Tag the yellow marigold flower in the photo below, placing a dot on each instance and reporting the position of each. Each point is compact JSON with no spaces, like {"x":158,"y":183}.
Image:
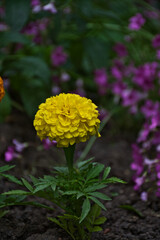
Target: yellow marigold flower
{"x":67,"y":118}
{"x":2,"y":92}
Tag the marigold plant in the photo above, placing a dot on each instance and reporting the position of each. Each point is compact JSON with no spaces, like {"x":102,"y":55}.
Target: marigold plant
{"x":67,"y":118}
{"x":2,"y":92}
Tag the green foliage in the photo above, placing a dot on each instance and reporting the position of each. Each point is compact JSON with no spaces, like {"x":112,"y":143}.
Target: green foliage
{"x":87,"y":32}
{"x":17,"y":13}
{"x":80,"y":187}
{"x":5,"y":107}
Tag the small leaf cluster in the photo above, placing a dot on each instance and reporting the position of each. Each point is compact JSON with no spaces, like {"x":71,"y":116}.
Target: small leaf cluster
{"x":77,"y":193}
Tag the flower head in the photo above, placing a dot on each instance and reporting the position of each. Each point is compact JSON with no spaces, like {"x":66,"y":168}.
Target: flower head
{"x":120,"y":49}
{"x":67,"y":119}
{"x":156,"y":41}
{"x":136,"y":22}
{"x":2,"y":92}
{"x":58,"y":56}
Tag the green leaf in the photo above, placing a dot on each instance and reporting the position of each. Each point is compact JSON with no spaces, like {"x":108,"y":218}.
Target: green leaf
{"x":83,"y":163}
{"x":12,"y":178}
{"x":3,"y":213}
{"x":53,"y":186}
{"x":114,"y":180}
{"x":97,"y":229}
{"x":95,"y":171}
{"x":34,"y":180}
{"x":16,"y":192}
{"x":5,"y":107}
{"x":27,"y":185}
{"x":94,"y":187}
{"x":132,"y":209}
{"x":106,"y":172}
{"x":100,"y":195}
{"x":8,"y":37}
{"x":97,"y":202}
{"x":41,"y":187}
{"x":6,"y":168}
{"x":36,"y":204}
{"x":17,"y":13}
{"x":80,"y":194}
{"x":56,"y":221}
{"x":61,"y":169}
{"x":70,"y":192}
{"x":85,"y":209}
{"x":100,"y":220}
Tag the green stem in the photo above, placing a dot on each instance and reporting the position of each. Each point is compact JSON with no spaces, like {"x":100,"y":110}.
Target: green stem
{"x":69,"y":153}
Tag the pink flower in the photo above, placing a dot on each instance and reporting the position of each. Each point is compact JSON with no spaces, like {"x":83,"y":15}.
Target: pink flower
{"x":145,"y":75}
{"x":65,"y":77}
{"x":118,"y":70}
{"x":150,"y":108}
{"x":19,"y":147}
{"x":158,"y":54}
{"x":47,"y":143}
{"x":100,"y":77}
{"x":120,"y":49}
{"x":130,"y":97}
{"x":137,"y":163}
{"x":143,"y":134}
{"x":138,"y":183}
{"x":118,"y":87}
{"x":56,"y":90}
{"x":10,"y":154}
{"x":144,"y":196}
{"x":136,"y":22}
{"x":50,"y":8}
{"x":156,"y":41}
{"x":58,"y":56}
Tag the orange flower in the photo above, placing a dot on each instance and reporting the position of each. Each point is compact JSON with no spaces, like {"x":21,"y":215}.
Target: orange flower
{"x":2,"y":92}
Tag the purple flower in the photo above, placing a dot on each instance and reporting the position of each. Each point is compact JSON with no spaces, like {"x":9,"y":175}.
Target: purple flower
{"x":144,"y":196}
{"x":117,"y":70}
{"x":136,"y":22}
{"x":156,"y":41}
{"x":35,"y":3}
{"x":155,"y":121}
{"x":100,"y":77}
{"x":143,"y":134}
{"x":47,"y":143}
{"x":137,"y":164}
{"x":10,"y":154}
{"x":152,"y":14}
{"x":156,"y":138}
{"x":130,"y":97}
{"x":36,"y":6}
{"x":138,"y":183}
{"x":118,"y":87}
{"x":158,"y":54}
{"x":150,"y":108}
{"x":56,"y":90}
{"x":145,"y":75}
{"x":58,"y":56}
{"x":50,"y":8}
{"x":120,"y":49}
{"x":65,"y":77}
{"x":19,"y":147}
{"x":3,"y":27}
{"x":103,"y":114}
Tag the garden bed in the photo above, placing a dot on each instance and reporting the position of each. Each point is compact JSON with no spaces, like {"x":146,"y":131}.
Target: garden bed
{"x":30,"y":223}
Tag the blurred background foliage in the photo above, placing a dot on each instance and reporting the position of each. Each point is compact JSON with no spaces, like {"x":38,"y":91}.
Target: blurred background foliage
{"x":87,"y":32}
